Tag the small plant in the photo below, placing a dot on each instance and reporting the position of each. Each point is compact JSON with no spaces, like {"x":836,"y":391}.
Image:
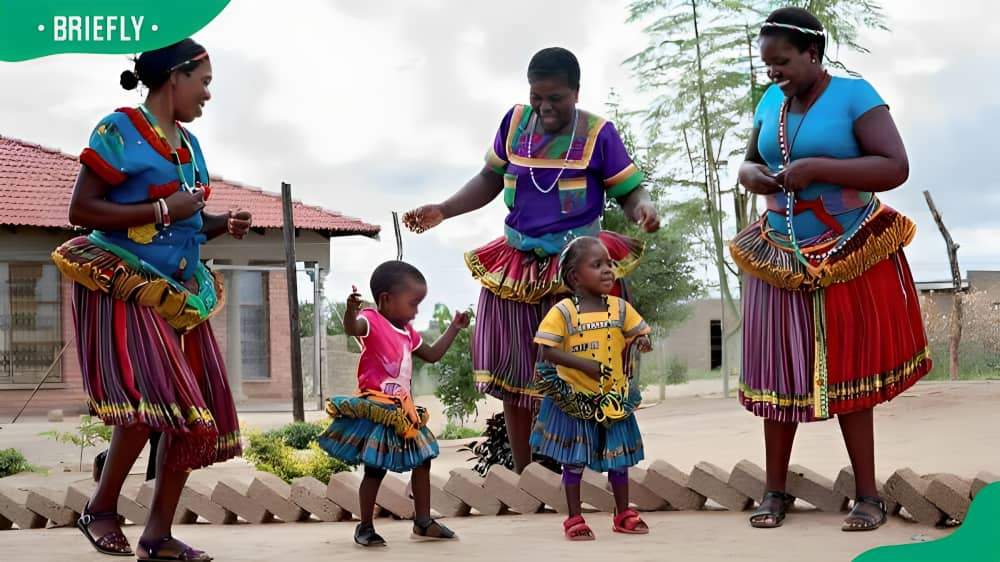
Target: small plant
{"x":270,"y":453}
{"x":455,"y":431}
{"x":677,"y":371}
{"x":298,"y":435}
{"x":456,"y":385}
{"x":495,"y":449}
{"x":89,"y":433}
{"x":13,"y":462}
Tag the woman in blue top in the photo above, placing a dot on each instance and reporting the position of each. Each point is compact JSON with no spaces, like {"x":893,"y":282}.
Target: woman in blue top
{"x":832,"y":323}
{"x":142,"y":297}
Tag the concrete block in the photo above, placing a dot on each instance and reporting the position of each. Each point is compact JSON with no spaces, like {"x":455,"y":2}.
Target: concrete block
{"x":128,"y":506}
{"x":504,"y":484}
{"x":51,"y":504}
{"x":197,"y":498}
{"x":951,"y":495}
{"x":55,"y":415}
{"x":310,"y":494}
{"x":641,"y":496}
{"x":814,"y":488}
{"x":182,"y":516}
{"x":749,"y":479}
{"x":78,"y":494}
{"x":233,"y":495}
{"x":713,"y":482}
{"x":545,"y":486}
{"x":910,"y":490}
{"x":668,"y":482}
{"x":982,"y":480}
{"x":844,"y":485}
{"x":276,"y":496}
{"x":444,"y":503}
{"x":467,"y":485}
{"x":343,"y":491}
{"x":596,"y":491}
{"x":394,"y":497}
{"x":12,"y":507}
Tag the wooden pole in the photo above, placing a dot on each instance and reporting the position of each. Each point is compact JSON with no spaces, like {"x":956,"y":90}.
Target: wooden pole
{"x":295,"y":349}
{"x":956,"y":280}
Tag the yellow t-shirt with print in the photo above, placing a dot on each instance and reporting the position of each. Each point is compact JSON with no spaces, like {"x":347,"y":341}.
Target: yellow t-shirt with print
{"x":587,"y":335}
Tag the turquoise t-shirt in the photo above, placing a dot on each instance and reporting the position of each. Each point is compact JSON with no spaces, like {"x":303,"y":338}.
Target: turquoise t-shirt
{"x":827,"y":130}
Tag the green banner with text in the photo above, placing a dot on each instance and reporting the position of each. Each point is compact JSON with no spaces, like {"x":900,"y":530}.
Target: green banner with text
{"x":39,"y":28}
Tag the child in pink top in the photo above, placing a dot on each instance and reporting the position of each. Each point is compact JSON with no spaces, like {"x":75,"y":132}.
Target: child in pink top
{"x":380,"y":427}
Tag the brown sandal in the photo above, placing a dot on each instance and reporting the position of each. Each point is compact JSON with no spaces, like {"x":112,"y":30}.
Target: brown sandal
{"x":432,"y":531}
{"x":858,"y":520}
{"x":113,"y":544}
{"x":182,"y":553}
{"x":768,"y":518}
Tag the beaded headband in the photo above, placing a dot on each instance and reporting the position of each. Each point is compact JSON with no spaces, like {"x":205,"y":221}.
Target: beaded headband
{"x":805,"y":30}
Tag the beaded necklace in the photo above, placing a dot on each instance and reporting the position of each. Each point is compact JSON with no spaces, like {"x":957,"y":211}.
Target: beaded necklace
{"x":185,"y":143}
{"x":569,"y":149}
{"x":609,"y":403}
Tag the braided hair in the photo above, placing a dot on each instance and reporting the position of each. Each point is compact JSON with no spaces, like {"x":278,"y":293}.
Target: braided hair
{"x":571,"y":255}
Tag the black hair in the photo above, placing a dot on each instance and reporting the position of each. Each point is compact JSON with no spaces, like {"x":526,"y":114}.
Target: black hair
{"x":153,"y":68}
{"x":571,"y":255}
{"x":555,"y":62}
{"x":798,"y":17}
{"x":390,"y":276}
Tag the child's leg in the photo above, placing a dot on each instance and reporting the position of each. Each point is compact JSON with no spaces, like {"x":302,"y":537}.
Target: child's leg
{"x":619,"y":486}
{"x":368,"y":492}
{"x":571,"y":477}
{"x":421,"y":483}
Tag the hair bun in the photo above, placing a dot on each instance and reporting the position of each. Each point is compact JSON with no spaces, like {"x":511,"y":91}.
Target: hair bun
{"x":129,"y":80}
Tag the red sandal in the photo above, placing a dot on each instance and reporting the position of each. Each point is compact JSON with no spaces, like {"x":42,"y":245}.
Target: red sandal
{"x":576,"y":529}
{"x":630,"y":523}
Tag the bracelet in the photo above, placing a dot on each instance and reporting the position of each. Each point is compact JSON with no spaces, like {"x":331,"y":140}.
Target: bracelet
{"x":166,"y":212}
{"x":157,"y":213}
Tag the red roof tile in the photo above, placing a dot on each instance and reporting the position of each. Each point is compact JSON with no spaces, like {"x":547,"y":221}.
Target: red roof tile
{"x":36,"y":184}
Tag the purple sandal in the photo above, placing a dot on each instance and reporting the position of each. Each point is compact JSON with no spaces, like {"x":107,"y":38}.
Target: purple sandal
{"x":113,"y":544}
{"x":186,"y":552}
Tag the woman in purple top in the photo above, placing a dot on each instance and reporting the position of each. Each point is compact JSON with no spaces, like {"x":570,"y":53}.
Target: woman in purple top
{"x":556,"y":165}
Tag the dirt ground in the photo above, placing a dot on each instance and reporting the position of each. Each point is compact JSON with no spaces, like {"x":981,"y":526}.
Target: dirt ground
{"x":934,"y":427}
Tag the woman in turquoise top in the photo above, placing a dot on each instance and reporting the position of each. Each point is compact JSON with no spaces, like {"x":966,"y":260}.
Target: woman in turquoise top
{"x":832,"y":323}
{"x":142,"y":297}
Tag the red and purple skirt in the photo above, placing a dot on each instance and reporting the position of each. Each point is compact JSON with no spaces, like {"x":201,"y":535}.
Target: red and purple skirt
{"x":834,"y":337}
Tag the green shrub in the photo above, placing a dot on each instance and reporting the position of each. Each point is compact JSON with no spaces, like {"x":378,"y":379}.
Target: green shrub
{"x":677,"y":371}
{"x":89,"y":433}
{"x":298,"y":435}
{"x":13,"y":462}
{"x":269,"y":452}
{"x":455,"y":431}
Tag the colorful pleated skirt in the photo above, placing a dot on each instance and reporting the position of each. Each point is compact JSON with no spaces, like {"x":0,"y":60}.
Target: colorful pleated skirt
{"x":371,"y":433}
{"x":139,"y":369}
{"x":836,"y":337}
{"x":519,"y":288}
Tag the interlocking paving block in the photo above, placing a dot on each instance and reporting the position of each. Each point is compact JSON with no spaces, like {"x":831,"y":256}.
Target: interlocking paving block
{"x":467,"y":485}
{"x":712,"y":482}
{"x":343,"y":491}
{"x":504,"y":484}
{"x":749,"y":479}
{"x":640,"y":495}
{"x":444,"y":503}
{"x":276,"y":496}
{"x":233,"y":495}
{"x":12,"y":507}
{"x":910,"y":490}
{"x":814,"y":488}
{"x":197,"y":498}
{"x":393,"y":496}
{"x":51,"y":504}
{"x":545,"y":486}
{"x":310,"y":494}
{"x":951,"y":494}
{"x":982,"y":480}
{"x":668,"y":482}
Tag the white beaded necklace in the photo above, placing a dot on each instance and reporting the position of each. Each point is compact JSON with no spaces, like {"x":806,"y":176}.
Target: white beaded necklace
{"x":569,"y":149}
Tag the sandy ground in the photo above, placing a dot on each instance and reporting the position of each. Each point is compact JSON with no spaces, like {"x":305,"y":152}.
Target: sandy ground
{"x":934,"y":427}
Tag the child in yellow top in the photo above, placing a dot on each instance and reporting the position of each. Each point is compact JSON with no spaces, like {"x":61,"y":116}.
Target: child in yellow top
{"x":586,"y":418}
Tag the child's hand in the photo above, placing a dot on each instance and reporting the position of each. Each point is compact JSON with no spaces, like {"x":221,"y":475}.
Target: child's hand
{"x":643,"y":344}
{"x":461,"y":320}
{"x":593,"y":370}
{"x":354,"y":300}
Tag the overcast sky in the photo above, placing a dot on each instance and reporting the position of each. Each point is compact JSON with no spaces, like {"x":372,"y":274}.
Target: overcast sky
{"x":369,"y":107}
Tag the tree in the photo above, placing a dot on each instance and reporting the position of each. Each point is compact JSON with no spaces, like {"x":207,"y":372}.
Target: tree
{"x":702,"y":65}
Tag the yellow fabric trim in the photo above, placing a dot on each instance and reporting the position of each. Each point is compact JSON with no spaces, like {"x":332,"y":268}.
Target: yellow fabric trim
{"x":581,"y":164}
{"x":486,"y":377}
{"x":621,"y":176}
{"x":369,"y":410}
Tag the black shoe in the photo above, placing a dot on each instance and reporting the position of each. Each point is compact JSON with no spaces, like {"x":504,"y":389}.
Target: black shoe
{"x":365,"y":535}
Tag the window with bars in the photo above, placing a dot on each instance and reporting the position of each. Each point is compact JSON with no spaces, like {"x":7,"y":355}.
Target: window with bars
{"x":255,"y":345}
{"x":30,"y":322}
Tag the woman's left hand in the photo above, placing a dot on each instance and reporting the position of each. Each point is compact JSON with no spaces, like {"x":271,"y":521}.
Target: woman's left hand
{"x":798,"y":175}
{"x":646,"y":217}
{"x":238,"y":224}
{"x":643,"y":344}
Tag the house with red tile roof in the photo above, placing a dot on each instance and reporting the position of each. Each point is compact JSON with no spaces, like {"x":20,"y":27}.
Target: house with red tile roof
{"x":36,"y":184}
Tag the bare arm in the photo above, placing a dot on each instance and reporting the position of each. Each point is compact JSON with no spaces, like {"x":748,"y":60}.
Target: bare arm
{"x":640,"y":209}
{"x":434,"y":352}
{"x":555,"y":356}
{"x":476,"y":193}
{"x":89,"y":207}
{"x":353,"y":325}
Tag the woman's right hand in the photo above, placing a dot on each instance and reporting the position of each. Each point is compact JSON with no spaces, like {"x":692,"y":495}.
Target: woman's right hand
{"x":424,"y":218}
{"x":184,"y":204}
{"x":759,"y":179}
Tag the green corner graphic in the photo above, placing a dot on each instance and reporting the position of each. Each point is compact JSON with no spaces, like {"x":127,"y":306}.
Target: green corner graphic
{"x":977,"y":540}
{"x":39,"y":28}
